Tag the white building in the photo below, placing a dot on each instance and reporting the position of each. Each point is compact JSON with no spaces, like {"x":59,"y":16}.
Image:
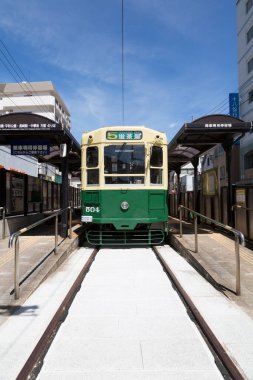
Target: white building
{"x":36,"y":97}
{"x":245,"y":76}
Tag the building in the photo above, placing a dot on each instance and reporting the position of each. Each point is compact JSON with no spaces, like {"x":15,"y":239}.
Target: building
{"x":36,"y":97}
{"x":245,"y":79}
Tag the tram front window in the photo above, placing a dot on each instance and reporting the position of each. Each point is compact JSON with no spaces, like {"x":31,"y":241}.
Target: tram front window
{"x":124,"y":159}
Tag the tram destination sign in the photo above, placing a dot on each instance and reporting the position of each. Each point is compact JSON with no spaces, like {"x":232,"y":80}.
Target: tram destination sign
{"x":123,"y":135}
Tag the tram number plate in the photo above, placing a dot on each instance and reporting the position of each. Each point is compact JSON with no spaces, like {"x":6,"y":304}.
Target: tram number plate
{"x":87,"y":218}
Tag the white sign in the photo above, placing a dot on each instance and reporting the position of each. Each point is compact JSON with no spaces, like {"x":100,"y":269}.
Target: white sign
{"x":87,"y":218}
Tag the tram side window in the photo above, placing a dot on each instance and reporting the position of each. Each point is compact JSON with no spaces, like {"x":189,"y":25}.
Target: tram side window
{"x":92,"y":162}
{"x":156,"y":158}
{"x":156,"y":161}
{"x":92,"y":157}
{"x":156,"y":176}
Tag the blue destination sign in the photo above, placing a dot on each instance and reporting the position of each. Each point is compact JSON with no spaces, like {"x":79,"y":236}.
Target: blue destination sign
{"x":124,"y":135}
{"x":30,"y":148}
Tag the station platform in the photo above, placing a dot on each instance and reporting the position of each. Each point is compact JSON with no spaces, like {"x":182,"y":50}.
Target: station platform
{"x":36,"y":261}
{"x":216,"y":260}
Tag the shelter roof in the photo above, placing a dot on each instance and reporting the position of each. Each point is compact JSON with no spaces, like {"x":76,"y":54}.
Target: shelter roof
{"x":24,"y":127}
{"x":195,"y":138}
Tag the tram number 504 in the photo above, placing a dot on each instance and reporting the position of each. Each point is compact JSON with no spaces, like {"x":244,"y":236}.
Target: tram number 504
{"x":92,"y":209}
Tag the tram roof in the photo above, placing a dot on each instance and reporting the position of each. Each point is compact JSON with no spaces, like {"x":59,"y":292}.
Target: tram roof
{"x":26,"y":128}
{"x":195,"y":138}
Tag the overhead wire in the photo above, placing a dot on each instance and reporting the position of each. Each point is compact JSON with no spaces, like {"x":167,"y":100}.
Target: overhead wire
{"x":225,"y":103}
{"x":15,"y":72}
{"x":122,"y":63}
{"x":2,"y":93}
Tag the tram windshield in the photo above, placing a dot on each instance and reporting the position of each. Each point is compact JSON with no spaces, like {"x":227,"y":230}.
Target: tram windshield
{"x":124,"y":159}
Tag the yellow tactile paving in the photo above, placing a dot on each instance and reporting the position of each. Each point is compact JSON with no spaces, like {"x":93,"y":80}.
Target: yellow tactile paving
{"x":24,"y":244}
{"x":225,"y":242}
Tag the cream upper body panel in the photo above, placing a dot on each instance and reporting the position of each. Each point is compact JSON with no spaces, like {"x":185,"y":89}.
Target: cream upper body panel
{"x":120,"y":135}
{"x":99,"y":136}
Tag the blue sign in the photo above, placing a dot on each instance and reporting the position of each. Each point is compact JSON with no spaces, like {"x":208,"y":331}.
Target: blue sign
{"x":234,"y":105}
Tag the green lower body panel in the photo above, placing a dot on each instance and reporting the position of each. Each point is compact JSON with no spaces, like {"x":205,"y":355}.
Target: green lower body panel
{"x":124,"y":209}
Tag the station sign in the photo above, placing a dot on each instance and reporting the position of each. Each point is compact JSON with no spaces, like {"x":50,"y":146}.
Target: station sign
{"x":29,"y":127}
{"x":30,"y":148}
{"x":234,"y":105}
{"x":123,"y":135}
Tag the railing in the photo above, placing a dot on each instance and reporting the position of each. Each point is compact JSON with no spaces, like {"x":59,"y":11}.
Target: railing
{"x":14,"y":238}
{"x":238,"y":237}
{"x":3,"y":209}
{"x":235,"y":207}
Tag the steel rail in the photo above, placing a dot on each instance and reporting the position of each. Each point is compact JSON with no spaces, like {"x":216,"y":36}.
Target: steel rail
{"x":207,"y":331}
{"x":44,"y":343}
{"x":3,"y":209}
{"x":238,"y":236}
{"x":14,"y":240}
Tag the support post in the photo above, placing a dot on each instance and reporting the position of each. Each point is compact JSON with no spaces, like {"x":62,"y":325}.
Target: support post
{"x":178,"y":189}
{"x":228,"y":149}
{"x":195,"y":163}
{"x":16,"y":270}
{"x":65,"y":195}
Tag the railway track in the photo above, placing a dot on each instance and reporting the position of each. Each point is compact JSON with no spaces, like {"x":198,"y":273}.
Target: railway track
{"x":148,"y":314}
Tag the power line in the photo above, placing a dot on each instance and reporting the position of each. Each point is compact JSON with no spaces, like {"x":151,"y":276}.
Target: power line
{"x":122,"y":62}
{"x":17,"y":70}
{"x":2,"y":93}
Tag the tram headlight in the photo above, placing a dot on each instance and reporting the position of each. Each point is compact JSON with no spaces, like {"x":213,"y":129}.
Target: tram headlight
{"x":124,"y":205}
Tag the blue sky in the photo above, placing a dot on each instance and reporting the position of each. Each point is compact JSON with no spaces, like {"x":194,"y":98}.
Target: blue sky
{"x":180,"y":57}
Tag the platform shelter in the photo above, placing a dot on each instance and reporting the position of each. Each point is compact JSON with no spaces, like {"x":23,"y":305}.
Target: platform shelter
{"x":48,"y":141}
{"x":197,"y":137}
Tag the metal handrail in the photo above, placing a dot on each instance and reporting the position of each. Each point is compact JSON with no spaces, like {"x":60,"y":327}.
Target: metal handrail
{"x":238,"y":237}
{"x":14,"y":239}
{"x":3,"y":209}
{"x":243,"y":207}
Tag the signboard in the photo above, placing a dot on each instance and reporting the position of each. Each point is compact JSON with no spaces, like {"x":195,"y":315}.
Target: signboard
{"x":218,"y":126}
{"x":240,"y":197}
{"x":209,"y":182}
{"x":29,"y":127}
{"x":234,"y":104}
{"x":123,"y":135}
{"x":30,"y":148}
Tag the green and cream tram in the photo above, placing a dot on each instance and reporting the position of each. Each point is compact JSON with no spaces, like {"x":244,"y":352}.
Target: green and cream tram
{"x":124,"y":185}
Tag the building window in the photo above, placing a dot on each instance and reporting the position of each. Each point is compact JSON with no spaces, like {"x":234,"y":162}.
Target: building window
{"x":251,"y":96}
{"x":222,"y":172}
{"x":250,"y":64}
{"x":248,"y":160}
{"x":250,"y":34}
{"x":249,"y":5}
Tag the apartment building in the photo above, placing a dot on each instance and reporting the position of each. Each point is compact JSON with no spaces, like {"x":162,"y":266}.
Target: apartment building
{"x":245,"y":77}
{"x":37,"y":97}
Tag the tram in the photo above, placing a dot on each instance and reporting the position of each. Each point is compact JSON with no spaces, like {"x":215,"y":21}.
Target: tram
{"x":124,"y":185}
